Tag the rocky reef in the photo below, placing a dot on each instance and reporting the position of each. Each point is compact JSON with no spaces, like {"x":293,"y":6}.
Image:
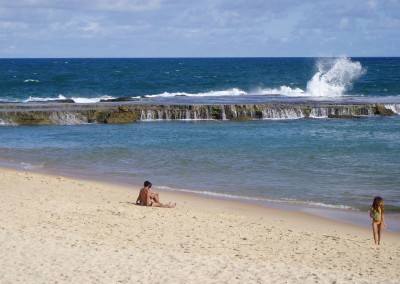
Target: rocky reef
{"x":128,"y":112}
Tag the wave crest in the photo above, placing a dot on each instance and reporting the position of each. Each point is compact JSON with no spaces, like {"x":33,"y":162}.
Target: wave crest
{"x":221,"y":93}
{"x":38,"y":99}
{"x":334,"y":77}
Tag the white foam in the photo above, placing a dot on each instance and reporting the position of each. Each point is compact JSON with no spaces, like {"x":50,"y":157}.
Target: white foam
{"x":67,"y":118}
{"x":282,"y":114}
{"x":78,"y":100}
{"x":320,"y":204}
{"x":282,"y":90}
{"x":91,"y":100}
{"x":38,"y":99}
{"x":221,"y":93}
{"x":334,"y":77}
{"x":393,"y":107}
{"x":31,"y":81}
{"x":6,"y":122}
{"x":29,"y":166}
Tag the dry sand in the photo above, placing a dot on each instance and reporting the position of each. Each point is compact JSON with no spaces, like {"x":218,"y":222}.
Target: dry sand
{"x":57,"y":229}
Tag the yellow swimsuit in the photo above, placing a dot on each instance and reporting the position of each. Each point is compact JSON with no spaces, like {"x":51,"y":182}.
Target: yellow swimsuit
{"x":377,"y":215}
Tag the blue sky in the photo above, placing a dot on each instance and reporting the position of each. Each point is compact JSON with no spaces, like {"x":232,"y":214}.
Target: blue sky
{"x":208,"y":28}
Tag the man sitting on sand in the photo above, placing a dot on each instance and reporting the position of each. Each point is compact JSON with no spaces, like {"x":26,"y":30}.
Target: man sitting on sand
{"x":148,"y":198}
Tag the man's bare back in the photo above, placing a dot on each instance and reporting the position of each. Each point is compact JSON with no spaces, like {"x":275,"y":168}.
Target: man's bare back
{"x":148,"y":198}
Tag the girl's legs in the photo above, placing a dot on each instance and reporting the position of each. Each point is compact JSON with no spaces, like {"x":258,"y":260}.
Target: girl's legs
{"x":375,"y":232}
{"x":379,"y":233}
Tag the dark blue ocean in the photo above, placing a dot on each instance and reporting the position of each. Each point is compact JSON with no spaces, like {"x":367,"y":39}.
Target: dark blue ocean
{"x":204,"y":79}
{"x":318,"y":163}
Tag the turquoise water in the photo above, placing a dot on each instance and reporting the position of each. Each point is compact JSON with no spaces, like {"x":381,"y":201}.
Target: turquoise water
{"x":323,"y":162}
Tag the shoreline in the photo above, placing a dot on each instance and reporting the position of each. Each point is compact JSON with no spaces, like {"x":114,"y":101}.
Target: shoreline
{"x":62,"y":229}
{"x":346,"y":217}
{"x":341,"y":215}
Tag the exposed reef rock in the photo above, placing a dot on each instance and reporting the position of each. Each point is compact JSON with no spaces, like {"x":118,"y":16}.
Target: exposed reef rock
{"x":381,"y":110}
{"x":31,"y":118}
{"x":69,"y":114}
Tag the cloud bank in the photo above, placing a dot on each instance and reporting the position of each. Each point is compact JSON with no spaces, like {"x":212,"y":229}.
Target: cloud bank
{"x":177,"y":28}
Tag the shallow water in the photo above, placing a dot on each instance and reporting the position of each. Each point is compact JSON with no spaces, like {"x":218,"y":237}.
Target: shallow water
{"x":325,"y":162}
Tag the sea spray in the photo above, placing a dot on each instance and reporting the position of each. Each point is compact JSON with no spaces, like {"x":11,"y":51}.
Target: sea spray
{"x":334,"y":77}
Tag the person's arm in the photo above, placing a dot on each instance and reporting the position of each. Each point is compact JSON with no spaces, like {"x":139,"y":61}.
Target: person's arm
{"x":148,"y":198}
{"x":371,"y":213}
{"x":383,"y":220}
{"x":138,"y":198}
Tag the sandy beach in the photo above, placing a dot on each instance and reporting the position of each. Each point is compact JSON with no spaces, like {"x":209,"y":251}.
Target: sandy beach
{"x":56,"y":229}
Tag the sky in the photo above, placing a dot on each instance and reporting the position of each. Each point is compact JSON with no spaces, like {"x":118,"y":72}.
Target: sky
{"x":199,"y":28}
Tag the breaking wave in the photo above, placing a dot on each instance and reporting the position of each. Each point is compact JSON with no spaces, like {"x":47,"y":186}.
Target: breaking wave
{"x":334,"y":77}
{"x":37,"y":99}
{"x":222,"y":93}
{"x":91,"y":100}
{"x":78,"y":100}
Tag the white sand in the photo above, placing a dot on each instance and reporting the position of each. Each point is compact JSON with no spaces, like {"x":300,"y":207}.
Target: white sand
{"x":56,"y":229}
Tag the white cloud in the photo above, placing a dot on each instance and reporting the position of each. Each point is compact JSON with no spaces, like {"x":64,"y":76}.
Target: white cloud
{"x":92,"y":28}
{"x":344,"y":23}
{"x":373,"y":4}
{"x":91,"y":5}
{"x":7,"y":25}
{"x":124,"y":5}
{"x":208,"y":27}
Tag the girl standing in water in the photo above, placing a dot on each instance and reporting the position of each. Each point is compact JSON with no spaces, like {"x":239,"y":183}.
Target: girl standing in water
{"x":378,"y":219}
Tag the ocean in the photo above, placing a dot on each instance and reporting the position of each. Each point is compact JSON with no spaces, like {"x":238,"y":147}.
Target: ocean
{"x":320,"y":163}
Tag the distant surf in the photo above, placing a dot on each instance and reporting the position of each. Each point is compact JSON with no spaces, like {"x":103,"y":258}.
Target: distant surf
{"x":333,"y":78}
